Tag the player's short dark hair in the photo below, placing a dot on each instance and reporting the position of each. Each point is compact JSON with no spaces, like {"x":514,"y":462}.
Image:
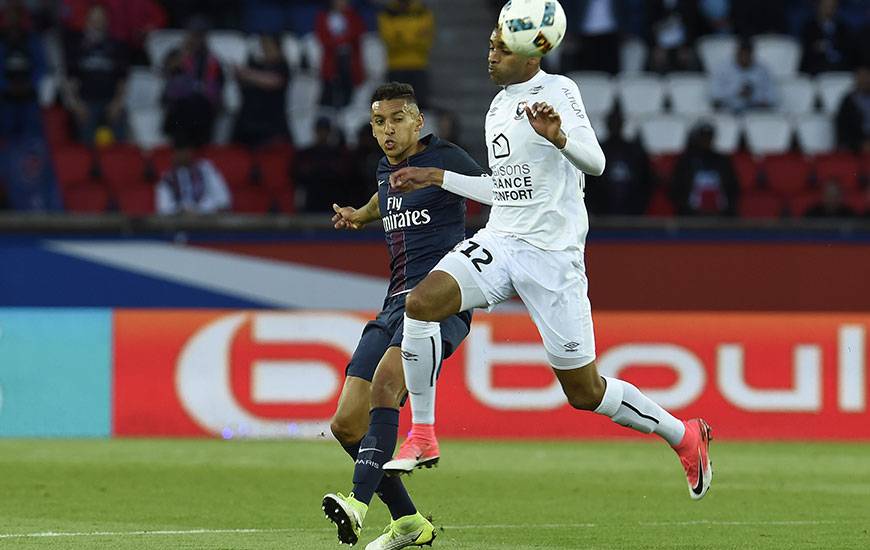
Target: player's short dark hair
{"x":395,"y":90}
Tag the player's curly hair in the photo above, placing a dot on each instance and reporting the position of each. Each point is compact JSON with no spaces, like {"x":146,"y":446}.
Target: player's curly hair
{"x":395,"y":90}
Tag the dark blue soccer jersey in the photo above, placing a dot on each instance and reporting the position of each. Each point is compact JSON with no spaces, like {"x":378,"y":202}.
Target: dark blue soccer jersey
{"x":422,"y":226}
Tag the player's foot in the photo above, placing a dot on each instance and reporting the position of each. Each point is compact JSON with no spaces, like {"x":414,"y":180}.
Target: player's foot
{"x":420,"y":450}
{"x":347,"y":513}
{"x":694,"y":453}
{"x":403,"y":532}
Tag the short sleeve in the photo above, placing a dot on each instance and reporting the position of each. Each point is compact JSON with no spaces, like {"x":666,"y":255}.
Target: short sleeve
{"x":457,"y":160}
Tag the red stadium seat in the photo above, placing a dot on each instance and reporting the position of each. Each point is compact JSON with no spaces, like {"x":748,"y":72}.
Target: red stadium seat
{"x":56,"y":123}
{"x":660,"y":204}
{"x":859,"y":201}
{"x":122,"y":166}
{"x":251,"y":200}
{"x":788,"y":174}
{"x":799,"y":204}
{"x":160,"y":159}
{"x":286,"y":201}
{"x":274,"y":169}
{"x":842,"y":167}
{"x":760,"y":204}
{"x":234,"y":163}
{"x":663,"y":166}
{"x":136,"y":200}
{"x":746,"y":168}
{"x":86,"y":197}
{"x":73,"y":164}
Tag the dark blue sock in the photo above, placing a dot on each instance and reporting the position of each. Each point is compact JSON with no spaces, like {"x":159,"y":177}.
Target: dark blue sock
{"x":375,"y":449}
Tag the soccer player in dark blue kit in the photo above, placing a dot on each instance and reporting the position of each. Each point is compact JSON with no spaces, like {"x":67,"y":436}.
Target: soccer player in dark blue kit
{"x":420,"y":228}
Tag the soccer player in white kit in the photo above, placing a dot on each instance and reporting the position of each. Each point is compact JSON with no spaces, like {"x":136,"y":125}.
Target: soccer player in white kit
{"x":540,"y":145}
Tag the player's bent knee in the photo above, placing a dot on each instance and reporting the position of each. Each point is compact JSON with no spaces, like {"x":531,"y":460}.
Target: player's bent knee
{"x":346,"y":431}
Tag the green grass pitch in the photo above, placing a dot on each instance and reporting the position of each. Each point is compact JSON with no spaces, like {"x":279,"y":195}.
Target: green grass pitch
{"x":222,"y":495}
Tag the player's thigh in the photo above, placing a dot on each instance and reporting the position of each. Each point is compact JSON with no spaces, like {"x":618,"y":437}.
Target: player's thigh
{"x":479,"y":272}
{"x":351,"y":419}
{"x":552,"y":285}
{"x":388,"y":384}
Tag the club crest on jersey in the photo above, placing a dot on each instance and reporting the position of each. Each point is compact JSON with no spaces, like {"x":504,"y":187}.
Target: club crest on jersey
{"x":521,"y":109}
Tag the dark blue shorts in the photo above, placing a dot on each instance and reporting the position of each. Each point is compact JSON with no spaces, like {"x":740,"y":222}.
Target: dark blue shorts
{"x":385,"y":331}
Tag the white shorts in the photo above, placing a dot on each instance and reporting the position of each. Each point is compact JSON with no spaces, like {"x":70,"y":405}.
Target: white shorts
{"x":491,"y":268}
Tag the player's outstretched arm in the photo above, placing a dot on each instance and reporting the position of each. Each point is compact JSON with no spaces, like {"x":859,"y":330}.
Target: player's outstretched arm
{"x":477,"y":188}
{"x":411,"y":178}
{"x":580,"y":147}
{"x":347,"y":217}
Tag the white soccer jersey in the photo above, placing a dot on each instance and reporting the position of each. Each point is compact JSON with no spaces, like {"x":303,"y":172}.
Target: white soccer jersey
{"x":537,"y":193}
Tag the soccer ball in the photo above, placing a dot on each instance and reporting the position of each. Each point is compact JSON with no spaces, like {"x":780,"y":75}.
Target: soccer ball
{"x":532,"y":27}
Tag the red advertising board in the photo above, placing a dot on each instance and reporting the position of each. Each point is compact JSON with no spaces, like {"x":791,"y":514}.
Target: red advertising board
{"x":274,"y":374}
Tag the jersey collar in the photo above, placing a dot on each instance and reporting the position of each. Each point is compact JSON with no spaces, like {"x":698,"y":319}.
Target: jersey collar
{"x":523,"y":87}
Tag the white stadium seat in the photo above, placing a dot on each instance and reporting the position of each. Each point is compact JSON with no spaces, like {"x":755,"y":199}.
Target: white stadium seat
{"x":292,"y":50}
{"x":641,"y":94}
{"x":716,"y":50}
{"x":689,"y":93}
{"x":632,"y":56}
{"x":312,"y":52}
{"x":160,"y":42}
{"x":144,"y":88}
{"x":48,"y":87}
{"x":767,"y":133}
{"x":816,"y":134}
{"x":374,"y":56}
{"x":780,"y":54}
{"x":664,"y":134}
{"x":727,"y":133}
{"x":229,"y":47}
{"x":832,"y":87}
{"x":797,"y":96}
{"x":146,"y":127}
{"x":232,"y":95}
{"x":596,"y":89}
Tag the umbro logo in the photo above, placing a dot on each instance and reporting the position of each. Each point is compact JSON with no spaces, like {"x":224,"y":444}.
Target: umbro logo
{"x":571,"y":346}
{"x":536,"y":90}
{"x":409,"y":356}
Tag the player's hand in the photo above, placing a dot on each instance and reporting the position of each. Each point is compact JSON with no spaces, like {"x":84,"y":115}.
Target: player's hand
{"x":546,"y":122}
{"x":345,"y":217}
{"x":411,"y":178}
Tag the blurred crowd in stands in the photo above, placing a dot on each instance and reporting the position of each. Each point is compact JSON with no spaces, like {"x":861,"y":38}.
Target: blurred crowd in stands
{"x":703,"y":107}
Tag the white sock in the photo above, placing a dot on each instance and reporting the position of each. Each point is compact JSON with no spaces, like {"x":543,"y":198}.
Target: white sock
{"x":421,"y":361}
{"x":627,"y":406}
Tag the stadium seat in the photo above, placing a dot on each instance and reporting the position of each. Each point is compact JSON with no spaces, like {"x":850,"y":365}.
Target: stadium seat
{"x":632,"y":56}
{"x":689,"y":93}
{"x":228,"y":46}
{"x":292,"y":50}
{"x":760,"y":204}
{"x":73,"y":165}
{"x":767,"y":134}
{"x":641,"y":94}
{"x":781,"y":54}
{"x":312,"y":53}
{"x":144,"y":88}
{"x":797,"y":96}
{"x":122,"y":166}
{"x":232,"y":96}
{"x":251,"y":200}
{"x":597,"y":90}
{"x":815,"y":134}
{"x":660,"y":204}
{"x":843,"y":167}
{"x":715,"y":50}
{"x":727,"y":133}
{"x":663,"y":166}
{"x":832,"y":87}
{"x":146,"y":127}
{"x":286,"y":201}
{"x":859,"y":201}
{"x":799,"y":203}
{"x":160,"y":159}
{"x":55,"y":121}
{"x":274,"y":169}
{"x":136,"y":200}
{"x":664,"y":134}
{"x":47,"y":92}
{"x":86,"y":198}
{"x":746,"y":168}
{"x":234,"y":164}
{"x":787,"y":174}
{"x":160,"y":42}
{"x":374,"y":55}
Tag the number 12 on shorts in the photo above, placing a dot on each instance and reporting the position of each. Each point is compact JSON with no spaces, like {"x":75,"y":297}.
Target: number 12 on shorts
{"x":483,"y":256}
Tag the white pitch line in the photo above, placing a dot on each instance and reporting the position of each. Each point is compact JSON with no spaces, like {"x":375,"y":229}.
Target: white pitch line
{"x":144,"y":533}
